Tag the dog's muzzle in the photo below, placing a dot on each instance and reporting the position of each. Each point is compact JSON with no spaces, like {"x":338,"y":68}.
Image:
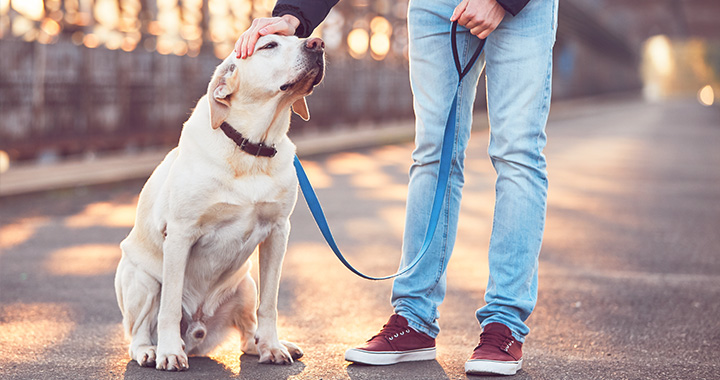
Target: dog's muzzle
{"x":314,"y":51}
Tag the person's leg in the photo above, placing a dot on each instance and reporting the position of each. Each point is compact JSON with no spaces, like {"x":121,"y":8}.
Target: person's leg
{"x":433,"y":78}
{"x":410,"y":333}
{"x":518,"y":72}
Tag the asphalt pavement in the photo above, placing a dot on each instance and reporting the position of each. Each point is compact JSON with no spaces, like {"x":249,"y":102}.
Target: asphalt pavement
{"x":629,"y":270}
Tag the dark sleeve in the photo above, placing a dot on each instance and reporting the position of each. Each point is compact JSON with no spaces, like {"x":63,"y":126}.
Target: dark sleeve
{"x":513,"y":6}
{"x":310,"y":13}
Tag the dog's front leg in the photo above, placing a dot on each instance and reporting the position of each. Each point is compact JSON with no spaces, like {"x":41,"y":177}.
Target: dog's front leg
{"x":171,"y":354}
{"x":272,"y":252}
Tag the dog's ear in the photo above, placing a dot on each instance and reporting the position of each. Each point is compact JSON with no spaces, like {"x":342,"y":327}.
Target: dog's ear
{"x":221,"y":87}
{"x":301,"y":109}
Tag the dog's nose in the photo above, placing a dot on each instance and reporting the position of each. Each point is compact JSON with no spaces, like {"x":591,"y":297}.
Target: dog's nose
{"x":315,"y":45}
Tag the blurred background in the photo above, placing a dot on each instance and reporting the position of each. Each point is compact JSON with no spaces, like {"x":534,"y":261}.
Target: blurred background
{"x":94,"y":92}
{"x":79,"y":78}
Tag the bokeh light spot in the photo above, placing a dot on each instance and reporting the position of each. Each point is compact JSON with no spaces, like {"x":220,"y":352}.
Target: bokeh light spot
{"x":706,"y":95}
{"x":357,"y":41}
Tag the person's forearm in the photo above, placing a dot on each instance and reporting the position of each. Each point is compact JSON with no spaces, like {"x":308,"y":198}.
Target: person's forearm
{"x":309,"y":13}
{"x":513,"y":6}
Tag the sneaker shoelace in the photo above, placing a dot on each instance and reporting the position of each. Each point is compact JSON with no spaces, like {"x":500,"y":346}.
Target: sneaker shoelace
{"x":495,"y":339}
{"x":391,"y":331}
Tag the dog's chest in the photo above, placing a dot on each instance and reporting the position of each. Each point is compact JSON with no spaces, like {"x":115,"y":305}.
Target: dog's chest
{"x":228,"y":226}
{"x":226,"y":244}
{"x":231,"y":218}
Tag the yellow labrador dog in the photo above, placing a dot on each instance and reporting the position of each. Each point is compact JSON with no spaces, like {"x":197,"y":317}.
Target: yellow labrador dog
{"x":183,"y":281}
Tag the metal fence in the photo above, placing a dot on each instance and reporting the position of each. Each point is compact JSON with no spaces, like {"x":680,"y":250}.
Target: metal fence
{"x":79,"y":76}
{"x":62,"y":99}
{"x":74,"y":80}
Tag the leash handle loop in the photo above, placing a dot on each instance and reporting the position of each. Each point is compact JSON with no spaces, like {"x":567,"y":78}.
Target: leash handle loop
{"x":453,"y":38}
{"x":441,"y":185}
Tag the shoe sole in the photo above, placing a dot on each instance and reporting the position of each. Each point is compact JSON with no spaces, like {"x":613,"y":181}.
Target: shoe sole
{"x":492,"y":367}
{"x":388,"y":357}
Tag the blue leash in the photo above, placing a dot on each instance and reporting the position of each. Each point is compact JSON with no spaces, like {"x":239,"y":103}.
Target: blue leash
{"x":440,"y":188}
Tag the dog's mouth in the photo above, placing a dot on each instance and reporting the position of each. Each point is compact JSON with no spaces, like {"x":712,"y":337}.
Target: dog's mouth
{"x":313,"y":76}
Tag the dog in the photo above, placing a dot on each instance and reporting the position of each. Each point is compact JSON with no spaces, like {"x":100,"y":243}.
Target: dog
{"x":229,"y":187}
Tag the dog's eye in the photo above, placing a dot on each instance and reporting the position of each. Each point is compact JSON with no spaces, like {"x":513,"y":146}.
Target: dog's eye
{"x":269,"y":45}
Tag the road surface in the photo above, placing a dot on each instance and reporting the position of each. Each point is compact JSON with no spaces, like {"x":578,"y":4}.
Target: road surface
{"x":629,"y":271}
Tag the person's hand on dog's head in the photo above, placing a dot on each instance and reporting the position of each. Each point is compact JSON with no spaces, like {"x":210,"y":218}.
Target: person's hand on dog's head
{"x":284,"y":26}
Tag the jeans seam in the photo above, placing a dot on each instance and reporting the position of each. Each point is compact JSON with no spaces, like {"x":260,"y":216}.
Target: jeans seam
{"x":547,"y":90}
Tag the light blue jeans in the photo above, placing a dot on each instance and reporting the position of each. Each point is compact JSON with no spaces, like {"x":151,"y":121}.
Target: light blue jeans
{"x":518,"y":65}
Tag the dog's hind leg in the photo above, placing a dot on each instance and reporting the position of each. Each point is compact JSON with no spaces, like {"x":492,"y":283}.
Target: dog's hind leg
{"x":245,"y":318}
{"x":138,"y":295}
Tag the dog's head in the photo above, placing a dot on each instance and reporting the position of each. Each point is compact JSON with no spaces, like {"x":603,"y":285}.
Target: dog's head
{"x":282,"y":69}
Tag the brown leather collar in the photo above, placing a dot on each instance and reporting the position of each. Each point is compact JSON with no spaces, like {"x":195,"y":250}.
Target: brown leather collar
{"x":259,"y":149}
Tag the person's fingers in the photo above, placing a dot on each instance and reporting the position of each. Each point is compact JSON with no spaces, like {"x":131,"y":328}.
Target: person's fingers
{"x":278,"y":27}
{"x":245,"y":45}
{"x":253,"y":35}
{"x":242,"y":43}
{"x":481,"y":31}
{"x":467,"y":17}
{"x":480,"y":27}
{"x":252,"y":40}
{"x":239,"y":45}
{"x":474,"y":23}
{"x":459,"y":10}
{"x":481,"y":17}
{"x":236,"y":48}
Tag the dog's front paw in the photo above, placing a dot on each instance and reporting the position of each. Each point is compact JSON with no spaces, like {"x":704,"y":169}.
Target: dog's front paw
{"x":144,"y":355}
{"x":274,"y":353}
{"x":294,"y":350}
{"x":171,"y":359}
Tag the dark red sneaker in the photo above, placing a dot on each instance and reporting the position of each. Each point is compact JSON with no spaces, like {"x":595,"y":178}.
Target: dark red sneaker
{"x":396,"y":342}
{"x":498,"y":353}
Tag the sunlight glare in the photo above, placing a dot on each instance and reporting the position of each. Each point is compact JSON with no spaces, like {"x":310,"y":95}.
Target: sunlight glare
{"x":21,"y":26}
{"x":4,"y":161}
{"x":84,"y":260}
{"x":228,"y":352}
{"x":380,"y":40}
{"x":706,"y":95}
{"x":380,"y":46}
{"x":31,"y":329}
{"x":105,"y":214}
{"x":357,"y":41}
{"x":50,"y":26}
{"x":381,"y":25}
{"x":32,"y":9}
{"x":317,"y":175}
{"x":106,"y":13}
{"x":91,"y":41}
{"x":349,"y":163}
{"x":659,"y":52}
{"x":12,"y":235}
